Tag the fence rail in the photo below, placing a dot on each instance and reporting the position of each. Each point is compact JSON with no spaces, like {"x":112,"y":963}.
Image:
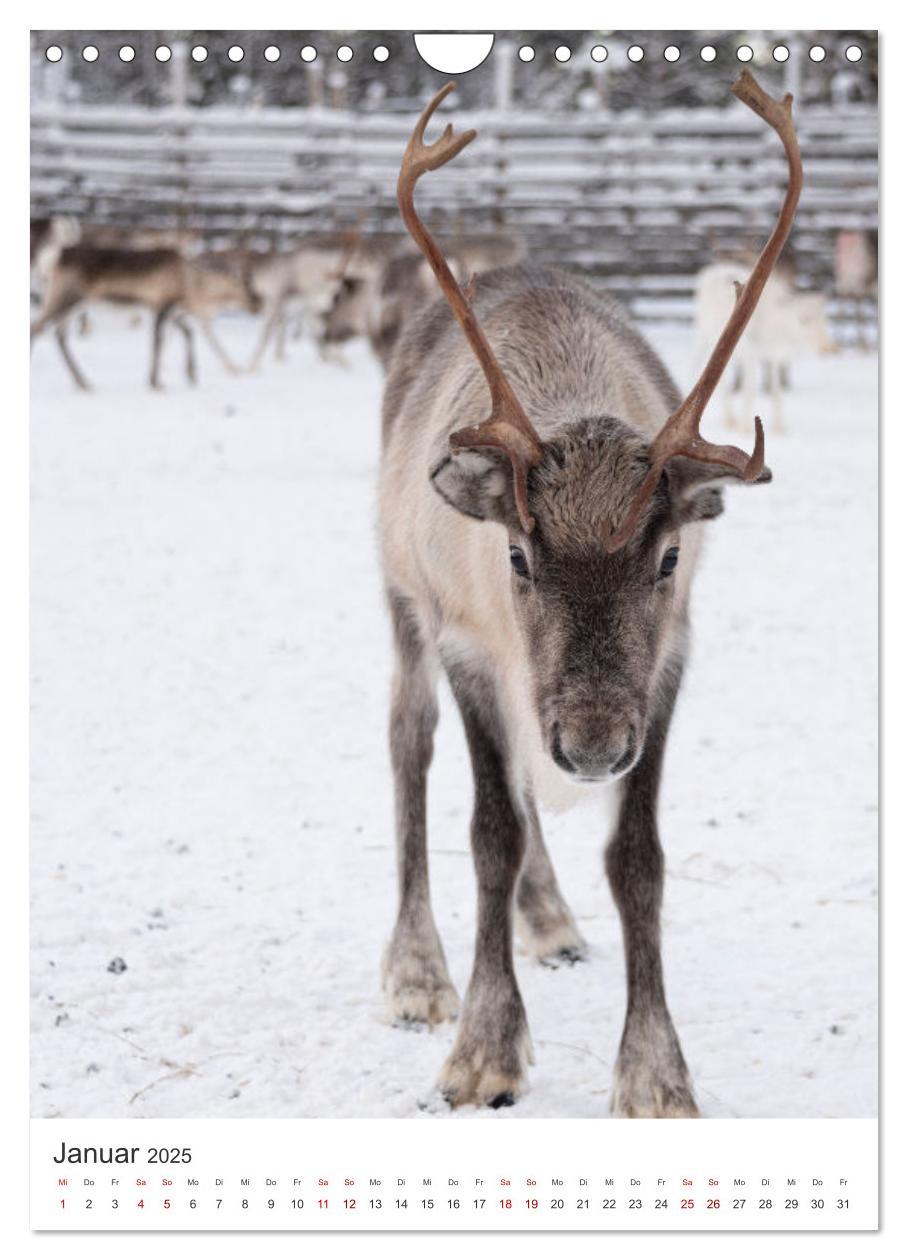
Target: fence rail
{"x":638,"y":199}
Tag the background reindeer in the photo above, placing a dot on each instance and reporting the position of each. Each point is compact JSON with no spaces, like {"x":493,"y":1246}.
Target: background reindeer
{"x":169,"y":285}
{"x":856,"y":282}
{"x":545,"y":566}
{"x":785,"y":324}
{"x":386,"y":282}
{"x":304,"y":280}
{"x":48,"y":236}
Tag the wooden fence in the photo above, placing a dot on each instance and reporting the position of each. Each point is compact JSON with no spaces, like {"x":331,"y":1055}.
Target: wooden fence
{"x":638,"y":199}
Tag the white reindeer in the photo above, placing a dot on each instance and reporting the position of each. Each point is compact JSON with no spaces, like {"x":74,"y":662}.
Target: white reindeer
{"x":784,"y":325}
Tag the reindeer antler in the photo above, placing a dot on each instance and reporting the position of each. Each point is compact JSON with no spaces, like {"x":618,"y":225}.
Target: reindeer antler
{"x":681,"y":433}
{"x":508,"y":428}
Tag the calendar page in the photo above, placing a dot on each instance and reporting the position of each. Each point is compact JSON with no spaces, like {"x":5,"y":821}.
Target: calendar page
{"x":454,"y":630}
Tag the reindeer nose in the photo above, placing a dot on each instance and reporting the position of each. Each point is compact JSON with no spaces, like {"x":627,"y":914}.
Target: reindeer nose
{"x":611,"y":752}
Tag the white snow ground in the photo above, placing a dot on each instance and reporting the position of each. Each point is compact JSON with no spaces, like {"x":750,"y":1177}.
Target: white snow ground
{"x":212,"y":798}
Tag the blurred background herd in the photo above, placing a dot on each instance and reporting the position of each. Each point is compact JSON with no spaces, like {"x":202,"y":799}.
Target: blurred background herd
{"x":197,"y":173}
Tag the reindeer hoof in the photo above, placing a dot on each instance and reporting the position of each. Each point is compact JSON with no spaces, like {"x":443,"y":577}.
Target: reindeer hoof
{"x":641,"y":1093}
{"x":566,"y":957}
{"x":463,"y":1084}
{"x":418,"y":990}
{"x":555,"y":944}
{"x":411,"y":1008}
{"x":487,"y":1066}
{"x":659,"y":1104}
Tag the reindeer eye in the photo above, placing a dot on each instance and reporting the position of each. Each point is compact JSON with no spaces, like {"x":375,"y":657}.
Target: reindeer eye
{"x":669,"y":560}
{"x":519,"y":562}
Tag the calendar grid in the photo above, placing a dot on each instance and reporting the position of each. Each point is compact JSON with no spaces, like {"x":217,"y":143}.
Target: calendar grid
{"x":330,"y":1175}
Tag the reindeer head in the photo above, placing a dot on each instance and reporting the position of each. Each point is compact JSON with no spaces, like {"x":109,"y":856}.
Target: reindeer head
{"x":217,"y":287}
{"x":593,"y":515}
{"x":347,"y":316}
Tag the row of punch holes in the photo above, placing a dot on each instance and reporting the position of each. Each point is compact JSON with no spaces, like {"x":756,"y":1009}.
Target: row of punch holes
{"x":526,"y":52}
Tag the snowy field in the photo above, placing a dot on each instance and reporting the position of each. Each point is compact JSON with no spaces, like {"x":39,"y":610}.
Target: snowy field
{"x":211,"y":794}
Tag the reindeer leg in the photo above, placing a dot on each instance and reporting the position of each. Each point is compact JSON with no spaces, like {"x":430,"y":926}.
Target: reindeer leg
{"x":651,"y":1077}
{"x":280,"y":344}
{"x":750,"y":379}
{"x":729,"y":386}
{"x":157,"y":342}
{"x":543,"y":921}
{"x":415,"y":977}
{"x":492,"y":1048}
{"x":268,"y":327}
{"x":60,"y":331}
{"x":58,"y":305}
{"x":184,"y":328}
{"x":775,"y":389}
{"x":208,"y":332}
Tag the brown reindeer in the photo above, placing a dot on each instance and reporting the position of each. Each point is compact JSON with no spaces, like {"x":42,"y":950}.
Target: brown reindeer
{"x":543,"y":560}
{"x":170,"y":286}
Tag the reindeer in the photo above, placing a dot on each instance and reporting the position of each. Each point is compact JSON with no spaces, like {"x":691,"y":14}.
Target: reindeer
{"x":856,"y":276}
{"x":139,"y":236}
{"x":786,"y":323}
{"x":47,"y":238}
{"x":169,"y":285}
{"x":309,"y":276}
{"x":472,"y":253}
{"x":377,"y":303}
{"x":545,"y":566}
{"x":382,"y":289}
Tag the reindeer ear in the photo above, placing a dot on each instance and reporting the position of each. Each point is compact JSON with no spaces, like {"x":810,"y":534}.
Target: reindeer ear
{"x":478,"y":484}
{"x":696,"y":488}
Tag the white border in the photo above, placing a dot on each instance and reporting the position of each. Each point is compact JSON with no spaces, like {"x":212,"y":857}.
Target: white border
{"x":227,"y":14}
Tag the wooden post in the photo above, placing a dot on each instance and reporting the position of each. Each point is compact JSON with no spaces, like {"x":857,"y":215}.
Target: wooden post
{"x":314,"y":85}
{"x":179,"y":79}
{"x":179,"y":100}
{"x":504,"y":72}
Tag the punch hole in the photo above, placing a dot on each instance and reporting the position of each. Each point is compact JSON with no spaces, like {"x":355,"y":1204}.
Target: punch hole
{"x":599,"y":53}
{"x":672,"y":52}
{"x":635,"y":53}
{"x":745,"y":53}
{"x":453,"y":53}
{"x":345,"y":53}
{"x":53,"y":53}
{"x":272,"y":53}
{"x":90,"y":53}
{"x":853,"y":53}
{"x":236,"y":53}
{"x":526,"y":53}
{"x":817,"y":53}
{"x":308,"y":53}
{"x":707,"y":53}
{"x":562,"y":53}
{"x":127,"y":53}
{"x":780,"y":53}
{"x":199,"y":53}
{"x":380,"y":53}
